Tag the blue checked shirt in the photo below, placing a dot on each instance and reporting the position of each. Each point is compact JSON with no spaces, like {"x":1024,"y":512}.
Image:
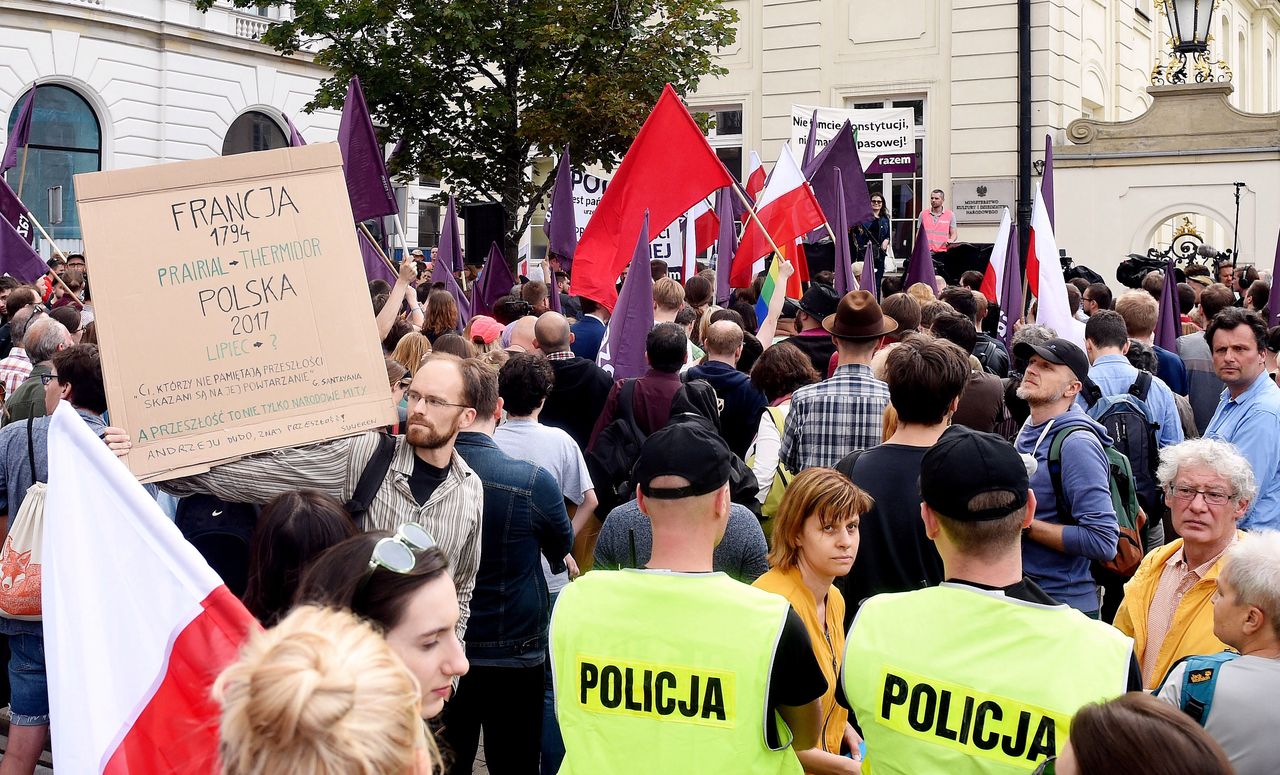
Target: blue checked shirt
{"x":833,"y":418}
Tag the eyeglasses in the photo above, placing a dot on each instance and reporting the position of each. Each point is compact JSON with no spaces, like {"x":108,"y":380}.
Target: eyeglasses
{"x":45,"y":379}
{"x":1047,"y":767}
{"x":1211,"y":497}
{"x":398,"y":553}
{"x":432,"y":402}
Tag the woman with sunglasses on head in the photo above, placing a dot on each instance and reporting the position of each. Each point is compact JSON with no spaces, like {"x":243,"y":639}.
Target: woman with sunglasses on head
{"x":400,"y":584}
{"x":1136,"y":733}
{"x":874,"y":232}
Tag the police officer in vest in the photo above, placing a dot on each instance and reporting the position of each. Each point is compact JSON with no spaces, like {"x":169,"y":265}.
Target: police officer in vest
{"x":674,"y":668}
{"x":983,"y":673}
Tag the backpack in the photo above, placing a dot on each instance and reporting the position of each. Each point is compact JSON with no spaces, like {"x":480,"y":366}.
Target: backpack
{"x":611,"y":458}
{"x":990,"y":356}
{"x":1199,"y":680}
{"x":1132,"y":427}
{"x":22,"y":555}
{"x":222,"y":531}
{"x":781,"y":479}
{"x":1130,"y":517}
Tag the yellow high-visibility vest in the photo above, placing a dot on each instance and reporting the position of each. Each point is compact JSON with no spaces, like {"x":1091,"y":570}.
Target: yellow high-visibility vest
{"x":659,"y":672}
{"x":960,"y":680}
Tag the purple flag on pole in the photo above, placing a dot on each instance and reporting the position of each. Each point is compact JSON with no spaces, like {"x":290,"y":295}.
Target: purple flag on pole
{"x":622,"y":351}
{"x":16,"y":213}
{"x":726,"y":244}
{"x":18,"y":259}
{"x":1010,"y":291}
{"x":868,"y":281}
{"x":921,"y":269}
{"x":368,"y":184}
{"x":561,"y":227}
{"x":813,"y":137}
{"x":1169,"y":323}
{"x":295,"y":137}
{"x":21,"y":133}
{"x":1273,"y":302}
{"x":553,"y":291}
{"x":844,"y":266}
{"x":1046,"y":183}
{"x":374,"y":267}
{"x":842,"y":153}
{"x":448,"y":256}
{"x":496,"y":281}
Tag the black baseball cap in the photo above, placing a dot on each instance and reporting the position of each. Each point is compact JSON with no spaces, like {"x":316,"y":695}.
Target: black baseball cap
{"x":688,"y":450}
{"x":1059,"y":351}
{"x":965,"y":463}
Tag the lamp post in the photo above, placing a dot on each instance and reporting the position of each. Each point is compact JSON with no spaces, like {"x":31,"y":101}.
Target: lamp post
{"x":1189,"y":24}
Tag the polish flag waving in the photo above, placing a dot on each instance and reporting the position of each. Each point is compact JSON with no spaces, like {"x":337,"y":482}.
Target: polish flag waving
{"x":137,"y":626}
{"x":994,"y":276}
{"x":788,"y":209}
{"x":1044,"y":276}
{"x":755,"y":179}
{"x":706,"y":225}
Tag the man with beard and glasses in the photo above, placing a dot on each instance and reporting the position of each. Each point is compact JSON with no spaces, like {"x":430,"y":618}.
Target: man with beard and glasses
{"x":426,"y":481}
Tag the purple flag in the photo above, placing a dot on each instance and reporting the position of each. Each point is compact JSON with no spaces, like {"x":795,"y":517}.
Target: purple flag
{"x":21,"y":133}
{"x":841,"y":153}
{"x":496,"y":281}
{"x":374,"y":267}
{"x":295,"y":137}
{"x":448,"y":255}
{"x":553,"y":291}
{"x":844,"y":267}
{"x":562,"y":229}
{"x":1273,"y":303}
{"x":921,"y":269}
{"x":18,"y":259}
{"x":868,"y":281}
{"x":16,"y":213}
{"x":726,"y":243}
{"x":622,"y":352}
{"x":813,"y":136}
{"x":1046,"y":183}
{"x":1010,"y":290}
{"x":368,"y":184}
{"x":1169,"y":323}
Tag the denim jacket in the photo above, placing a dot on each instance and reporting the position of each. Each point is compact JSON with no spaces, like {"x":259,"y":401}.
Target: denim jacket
{"x":524,"y":514}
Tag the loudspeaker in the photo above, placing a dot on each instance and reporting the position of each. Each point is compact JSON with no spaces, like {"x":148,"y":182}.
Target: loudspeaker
{"x":486,"y":224}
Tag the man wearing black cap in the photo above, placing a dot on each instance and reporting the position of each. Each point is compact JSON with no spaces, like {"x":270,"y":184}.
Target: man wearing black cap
{"x":813,"y":340}
{"x":1058,"y":548}
{"x":981,"y":673}
{"x":844,"y":413}
{"x":668,"y":669}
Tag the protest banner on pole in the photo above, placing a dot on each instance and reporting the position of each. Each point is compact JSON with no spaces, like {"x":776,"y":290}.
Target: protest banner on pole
{"x":215,"y":284}
{"x":885,"y":136}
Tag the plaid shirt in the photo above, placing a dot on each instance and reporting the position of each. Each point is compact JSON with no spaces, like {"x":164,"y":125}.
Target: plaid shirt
{"x":833,"y":418}
{"x":15,"y":369}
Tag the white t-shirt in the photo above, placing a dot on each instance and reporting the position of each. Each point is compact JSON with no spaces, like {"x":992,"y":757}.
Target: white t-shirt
{"x":556,"y":451}
{"x":1245,"y":715}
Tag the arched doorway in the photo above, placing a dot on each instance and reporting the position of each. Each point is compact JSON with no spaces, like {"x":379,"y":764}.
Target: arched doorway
{"x":65,"y":140}
{"x":1191,"y":235}
{"x":253,"y":130}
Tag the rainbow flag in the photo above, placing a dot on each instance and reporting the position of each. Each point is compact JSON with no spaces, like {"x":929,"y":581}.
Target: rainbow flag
{"x":773,"y":282}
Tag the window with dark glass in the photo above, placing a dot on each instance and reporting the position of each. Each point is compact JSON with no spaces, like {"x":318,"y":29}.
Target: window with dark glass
{"x":253,"y":131}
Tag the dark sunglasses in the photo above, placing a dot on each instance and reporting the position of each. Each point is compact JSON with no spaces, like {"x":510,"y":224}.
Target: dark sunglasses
{"x":1047,"y":767}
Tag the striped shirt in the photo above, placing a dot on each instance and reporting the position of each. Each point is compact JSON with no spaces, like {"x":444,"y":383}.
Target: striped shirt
{"x":451,"y":515}
{"x":1176,"y":579}
{"x":15,"y":369}
{"x":833,"y":418}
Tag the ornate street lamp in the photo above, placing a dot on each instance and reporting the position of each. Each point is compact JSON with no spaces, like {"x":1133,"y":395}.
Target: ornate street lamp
{"x":1189,"y":24}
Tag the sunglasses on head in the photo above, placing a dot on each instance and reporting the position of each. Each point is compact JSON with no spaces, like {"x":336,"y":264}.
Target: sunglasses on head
{"x":398,"y":553}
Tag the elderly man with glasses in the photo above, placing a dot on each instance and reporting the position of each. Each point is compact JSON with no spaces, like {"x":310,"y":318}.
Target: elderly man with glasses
{"x":1168,"y":604}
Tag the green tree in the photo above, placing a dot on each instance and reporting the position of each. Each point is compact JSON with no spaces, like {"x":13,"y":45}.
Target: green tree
{"x":478,"y":88}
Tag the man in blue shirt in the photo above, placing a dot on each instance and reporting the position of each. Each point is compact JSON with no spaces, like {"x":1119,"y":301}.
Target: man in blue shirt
{"x":1140,"y":311}
{"x":1248,"y":413}
{"x":1106,"y":340}
{"x":743,"y":403}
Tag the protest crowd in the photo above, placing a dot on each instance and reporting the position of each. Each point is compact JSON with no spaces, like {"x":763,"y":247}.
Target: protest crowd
{"x":802,"y":523}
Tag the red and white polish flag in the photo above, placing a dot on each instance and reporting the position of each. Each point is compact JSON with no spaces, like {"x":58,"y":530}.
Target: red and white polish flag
{"x":788,"y":209}
{"x":755,"y":178}
{"x":136,"y":624}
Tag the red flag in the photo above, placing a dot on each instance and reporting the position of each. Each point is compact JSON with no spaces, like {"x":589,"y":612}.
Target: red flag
{"x":756,"y":178}
{"x":668,"y":169}
{"x":787,"y":209}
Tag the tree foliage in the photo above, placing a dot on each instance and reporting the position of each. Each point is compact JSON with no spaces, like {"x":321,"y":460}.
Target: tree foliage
{"x":478,"y":88}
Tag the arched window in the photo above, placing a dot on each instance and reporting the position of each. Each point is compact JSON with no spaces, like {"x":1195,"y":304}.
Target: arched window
{"x":253,"y":131}
{"x":65,"y":140}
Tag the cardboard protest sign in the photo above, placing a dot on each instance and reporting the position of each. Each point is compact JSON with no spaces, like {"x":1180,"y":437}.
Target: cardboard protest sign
{"x":232,"y":308}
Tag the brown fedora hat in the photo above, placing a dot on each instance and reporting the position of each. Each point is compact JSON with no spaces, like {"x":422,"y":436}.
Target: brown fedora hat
{"x":858,"y":316}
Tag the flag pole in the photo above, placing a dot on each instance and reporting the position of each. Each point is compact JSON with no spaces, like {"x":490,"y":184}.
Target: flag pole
{"x":53,"y":245}
{"x":752,"y":212}
{"x":22,"y":172}
{"x":376,"y":247}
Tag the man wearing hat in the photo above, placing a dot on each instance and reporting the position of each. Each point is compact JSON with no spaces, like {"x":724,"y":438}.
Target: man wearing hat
{"x":675,"y":668}
{"x":1057,"y":549}
{"x":842,"y":414}
{"x":817,"y":303}
{"x":983,"y":673}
